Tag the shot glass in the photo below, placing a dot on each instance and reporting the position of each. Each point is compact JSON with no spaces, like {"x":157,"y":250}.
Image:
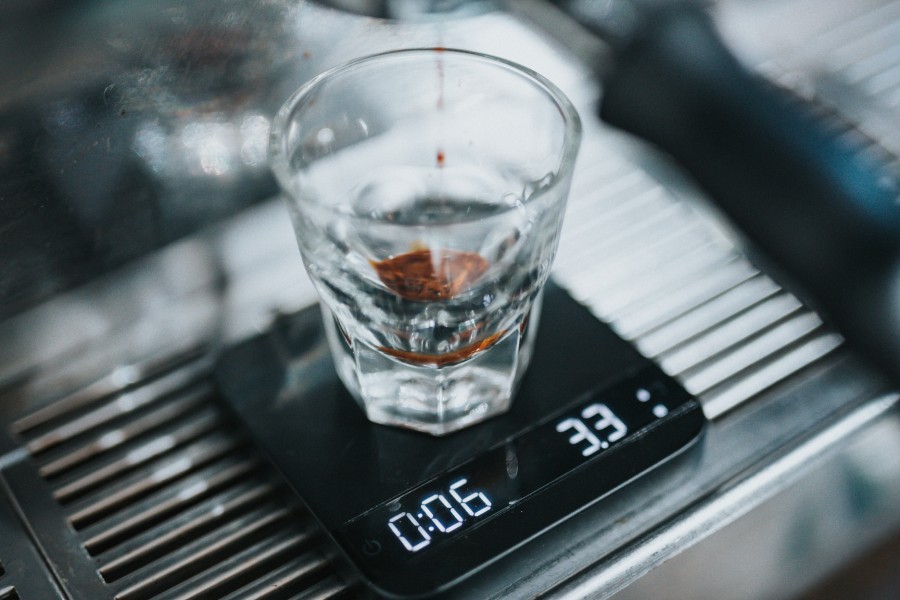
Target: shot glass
{"x":427,"y":189}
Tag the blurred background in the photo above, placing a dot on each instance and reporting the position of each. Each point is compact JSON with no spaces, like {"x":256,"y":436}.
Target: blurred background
{"x":141,"y":233}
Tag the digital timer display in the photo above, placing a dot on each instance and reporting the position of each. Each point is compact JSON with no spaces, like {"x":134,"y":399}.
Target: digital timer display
{"x":480,"y":490}
{"x":442,"y":516}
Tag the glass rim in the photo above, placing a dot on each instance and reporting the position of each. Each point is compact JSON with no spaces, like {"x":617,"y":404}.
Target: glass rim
{"x":278,"y":152}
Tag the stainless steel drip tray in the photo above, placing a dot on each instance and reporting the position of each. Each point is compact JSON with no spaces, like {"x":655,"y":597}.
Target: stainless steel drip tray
{"x":138,"y":488}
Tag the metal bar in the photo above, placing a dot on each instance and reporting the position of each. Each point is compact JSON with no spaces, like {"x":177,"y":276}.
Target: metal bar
{"x":114,"y":382}
{"x":172,"y":534}
{"x":127,"y":402}
{"x":114,"y":438}
{"x":731,"y":333}
{"x":327,"y":589}
{"x":254,"y":559}
{"x":290,"y":575}
{"x":725,"y":397}
{"x":141,"y":515}
{"x":707,"y":374}
{"x":708,"y":315}
{"x":172,"y":569}
{"x":140,"y":484}
{"x":672,"y":308}
{"x":196,"y":427}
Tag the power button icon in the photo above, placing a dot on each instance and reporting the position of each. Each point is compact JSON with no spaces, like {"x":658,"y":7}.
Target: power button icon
{"x":371,"y":548}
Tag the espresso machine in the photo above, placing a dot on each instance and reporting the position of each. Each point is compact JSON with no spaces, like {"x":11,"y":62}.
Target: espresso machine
{"x":170,"y":421}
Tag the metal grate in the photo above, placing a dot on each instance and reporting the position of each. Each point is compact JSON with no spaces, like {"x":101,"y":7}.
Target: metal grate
{"x":865,"y":50}
{"x":639,"y":257}
{"x":166,"y":496}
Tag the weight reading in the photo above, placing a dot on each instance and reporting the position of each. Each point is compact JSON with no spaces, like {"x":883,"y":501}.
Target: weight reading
{"x":437,"y":514}
{"x":582,"y":433}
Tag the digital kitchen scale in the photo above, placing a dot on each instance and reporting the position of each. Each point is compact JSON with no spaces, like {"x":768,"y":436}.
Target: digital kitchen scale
{"x":415,"y":514}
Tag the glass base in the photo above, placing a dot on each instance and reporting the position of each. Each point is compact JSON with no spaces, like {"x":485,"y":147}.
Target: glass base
{"x":431,"y":399}
{"x":437,"y":400}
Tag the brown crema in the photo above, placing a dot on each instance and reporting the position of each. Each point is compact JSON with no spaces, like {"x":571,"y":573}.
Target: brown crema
{"x":423,"y":277}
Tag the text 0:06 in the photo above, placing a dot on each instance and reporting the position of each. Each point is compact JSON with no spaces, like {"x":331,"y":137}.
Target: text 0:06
{"x":438,"y":515}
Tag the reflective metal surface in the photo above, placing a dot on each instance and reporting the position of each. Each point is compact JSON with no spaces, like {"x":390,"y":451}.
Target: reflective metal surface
{"x":139,"y":236}
{"x":125,"y":126}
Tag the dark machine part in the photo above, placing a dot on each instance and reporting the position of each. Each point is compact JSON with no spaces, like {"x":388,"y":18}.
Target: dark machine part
{"x":823,"y":213}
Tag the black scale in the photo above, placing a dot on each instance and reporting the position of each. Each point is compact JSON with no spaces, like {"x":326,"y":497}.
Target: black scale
{"x":416,"y":514}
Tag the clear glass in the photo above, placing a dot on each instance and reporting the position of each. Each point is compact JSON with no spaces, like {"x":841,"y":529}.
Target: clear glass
{"x":427,"y":189}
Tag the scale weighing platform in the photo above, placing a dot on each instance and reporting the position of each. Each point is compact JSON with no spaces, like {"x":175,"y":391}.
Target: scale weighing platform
{"x":414,"y":515}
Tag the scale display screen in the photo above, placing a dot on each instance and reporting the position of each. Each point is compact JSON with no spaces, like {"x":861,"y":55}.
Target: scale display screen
{"x":485,"y":488}
{"x":415,"y":514}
